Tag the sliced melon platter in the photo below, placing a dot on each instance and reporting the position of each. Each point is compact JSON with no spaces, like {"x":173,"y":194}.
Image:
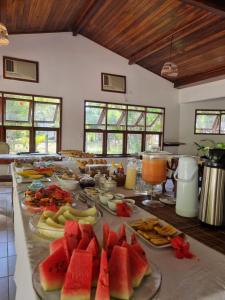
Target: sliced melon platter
{"x":51,"y":224}
{"x":77,"y":268}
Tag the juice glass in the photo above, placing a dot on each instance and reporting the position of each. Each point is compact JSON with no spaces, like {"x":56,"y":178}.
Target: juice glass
{"x":154,"y":169}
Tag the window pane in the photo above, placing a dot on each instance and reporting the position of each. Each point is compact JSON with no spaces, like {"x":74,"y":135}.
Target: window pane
{"x":157,"y":110}
{"x":154,"y":122}
{"x":135,"y":121}
{"x":17,"y":111}
{"x":207,"y":124}
{"x":142,"y":108}
{"x":222,"y":127}
{"x":117,"y":106}
{"x":152,"y":140}
{"x":49,"y":100}
{"x":114,"y":143}
{"x":116,"y":119}
{"x":46,"y":141}
{"x":22,"y":97}
{"x":100,"y":104}
{"x":46,"y":115}
{"x":133,"y":143}
{"x":94,"y":142}
{"x":95,"y":118}
{"x":18,"y":140}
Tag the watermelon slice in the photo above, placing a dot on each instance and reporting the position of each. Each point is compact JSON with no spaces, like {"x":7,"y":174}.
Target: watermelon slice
{"x":54,"y":245}
{"x":105,"y":234}
{"x":86,"y":230}
{"x":102,"y":291}
{"x":53,"y":270}
{"x":111,"y":242}
{"x":133,"y":239}
{"x":83,"y":243}
{"x":119,"y":274}
{"x":77,"y":285}
{"x":122,"y":235}
{"x":137,"y":247}
{"x":72,"y":234}
{"x":138,"y":266}
{"x":93,"y":248}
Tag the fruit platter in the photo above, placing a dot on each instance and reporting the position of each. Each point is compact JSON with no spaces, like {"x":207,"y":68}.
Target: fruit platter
{"x":51,"y":198}
{"x":50,"y":224}
{"x":154,"y":231}
{"x":78,"y":267}
{"x":116,"y":204}
{"x":28,"y":175}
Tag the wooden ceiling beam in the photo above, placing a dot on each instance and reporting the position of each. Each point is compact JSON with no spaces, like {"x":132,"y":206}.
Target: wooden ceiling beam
{"x":214,"y":6}
{"x":166,"y":40}
{"x":88,"y":12}
{"x":195,"y":78}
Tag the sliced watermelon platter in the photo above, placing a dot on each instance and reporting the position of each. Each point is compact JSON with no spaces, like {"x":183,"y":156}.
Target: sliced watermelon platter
{"x":77,"y":268}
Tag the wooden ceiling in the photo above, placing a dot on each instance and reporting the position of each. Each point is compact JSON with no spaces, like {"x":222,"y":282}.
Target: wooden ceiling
{"x":139,"y":30}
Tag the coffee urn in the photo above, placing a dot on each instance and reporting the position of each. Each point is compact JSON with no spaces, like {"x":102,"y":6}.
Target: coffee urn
{"x":212,"y":200}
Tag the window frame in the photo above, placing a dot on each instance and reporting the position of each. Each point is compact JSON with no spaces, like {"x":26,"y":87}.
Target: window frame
{"x":126,"y":131}
{"x":32,"y":129}
{"x":220,"y":113}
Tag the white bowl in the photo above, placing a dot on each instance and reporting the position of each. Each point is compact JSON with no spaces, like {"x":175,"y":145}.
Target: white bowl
{"x":129,"y":201}
{"x":104,"y":198}
{"x":112,"y":203}
{"x":68,"y":184}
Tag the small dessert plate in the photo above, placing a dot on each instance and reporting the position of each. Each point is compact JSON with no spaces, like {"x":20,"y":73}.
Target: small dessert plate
{"x":169,"y":201}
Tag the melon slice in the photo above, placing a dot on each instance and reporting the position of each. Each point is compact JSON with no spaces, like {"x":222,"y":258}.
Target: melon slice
{"x":83,"y":243}
{"x":119,"y":274}
{"x":102,"y":291}
{"x":111,"y":242}
{"x":86,"y":230}
{"x":105,"y":234}
{"x":122,"y":235}
{"x":94,"y":250}
{"x":72,"y":235}
{"x":53,"y":270}
{"x":133,"y":239}
{"x":77,"y":285}
{"x":138,"y":266}
{"x":137,"y":247}
{"x":54,"y":245}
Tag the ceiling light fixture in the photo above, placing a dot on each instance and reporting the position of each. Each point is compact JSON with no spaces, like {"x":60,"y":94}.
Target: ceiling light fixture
{"x":169,"y":69}
{"x":4,"y":41}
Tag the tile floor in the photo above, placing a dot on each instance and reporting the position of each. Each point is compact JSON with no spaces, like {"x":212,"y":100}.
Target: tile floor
{"x":7,"y":246}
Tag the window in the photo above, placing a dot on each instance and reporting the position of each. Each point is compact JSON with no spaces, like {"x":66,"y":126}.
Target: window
{"x":209,"y":121}
{"x":30,"y":123}
{"x":121,"y":129}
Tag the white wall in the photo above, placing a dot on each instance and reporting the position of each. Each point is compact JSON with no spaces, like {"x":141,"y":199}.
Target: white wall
{"x":70,"y":67}
{"x":187,"y":120}
{"x":202,"y":92}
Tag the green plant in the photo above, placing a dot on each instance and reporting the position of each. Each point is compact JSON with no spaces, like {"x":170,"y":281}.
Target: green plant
{"x":203,"y":149}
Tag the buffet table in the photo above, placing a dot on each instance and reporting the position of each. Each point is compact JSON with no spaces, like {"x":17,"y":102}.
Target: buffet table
{"x":202,"y":277}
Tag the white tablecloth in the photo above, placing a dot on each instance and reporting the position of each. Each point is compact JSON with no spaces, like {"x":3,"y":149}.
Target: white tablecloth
{"x":200,"y":278}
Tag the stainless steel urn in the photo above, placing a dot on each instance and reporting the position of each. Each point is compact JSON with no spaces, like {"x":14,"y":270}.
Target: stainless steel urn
{"x":212,"y":201}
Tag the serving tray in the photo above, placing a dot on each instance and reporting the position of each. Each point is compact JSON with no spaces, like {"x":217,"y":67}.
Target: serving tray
{"x":146,"y":291}
{"x":148,"y":242}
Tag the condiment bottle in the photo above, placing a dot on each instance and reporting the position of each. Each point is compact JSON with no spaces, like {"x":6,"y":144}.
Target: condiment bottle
{"x":131,"y":174}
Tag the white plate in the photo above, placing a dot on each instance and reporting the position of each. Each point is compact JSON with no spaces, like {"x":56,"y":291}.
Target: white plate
{"x":169,"y":201}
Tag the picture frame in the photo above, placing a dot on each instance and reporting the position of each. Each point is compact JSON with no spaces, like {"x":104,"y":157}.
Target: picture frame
{"x":113,"y":83}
